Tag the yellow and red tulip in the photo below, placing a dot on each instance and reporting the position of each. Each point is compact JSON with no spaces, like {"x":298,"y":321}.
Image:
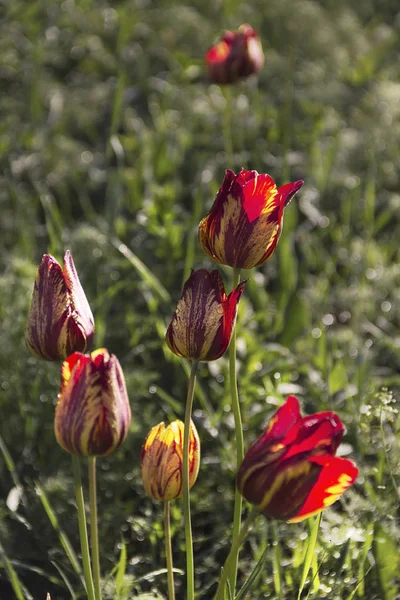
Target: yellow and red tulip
{"x":204,"y":319}
{"x":236,"y":56}
{"x":93,"y":413}
{"x":243,"y":226}
{"x":162,"y":457}
{"x":291,"y":471}
{"x":60,"y":320}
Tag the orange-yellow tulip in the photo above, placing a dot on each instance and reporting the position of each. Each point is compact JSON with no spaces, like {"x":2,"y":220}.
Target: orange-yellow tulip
{"x":162,"y":457}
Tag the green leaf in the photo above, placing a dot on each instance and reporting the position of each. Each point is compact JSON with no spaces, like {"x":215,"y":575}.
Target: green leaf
{"x":387,"y":562}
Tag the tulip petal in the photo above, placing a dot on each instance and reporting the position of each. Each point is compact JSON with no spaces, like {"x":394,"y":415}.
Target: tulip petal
{"x":286,"y":192}
{"x":336,"y":476}
{"x":259,"y":197}
{"x":80,"y":309}
{"x":318,"y":433}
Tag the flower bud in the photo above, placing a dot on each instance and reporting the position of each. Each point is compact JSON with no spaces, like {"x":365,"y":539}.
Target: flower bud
{"x":291,"y":471}
{"x":162,"y":458}
{"x":235,"y":56}
{"x":243,"y":226}
{"x":93,"y":413}
{"x":60,"y":320}
{"x":203,"y":322}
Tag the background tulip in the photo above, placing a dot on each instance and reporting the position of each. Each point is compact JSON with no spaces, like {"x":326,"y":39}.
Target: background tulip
{"x":203,"y":322}
{"x":291,"y":471}
{"x":60,"y":320}
{"x":93,"y":413}
{"x":235,"y":56}
{"x":243,"y":226}
{"x":161,"y":460}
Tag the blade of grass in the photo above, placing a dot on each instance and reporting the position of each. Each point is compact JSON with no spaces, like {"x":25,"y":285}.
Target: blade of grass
{"x":253,"y":577}
{"x":20,"y":591}
{"x":64,"y":540}
{"x":312,"y":541}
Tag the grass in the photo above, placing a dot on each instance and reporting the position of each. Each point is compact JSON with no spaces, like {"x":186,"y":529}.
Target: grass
{"x":111,"y":144}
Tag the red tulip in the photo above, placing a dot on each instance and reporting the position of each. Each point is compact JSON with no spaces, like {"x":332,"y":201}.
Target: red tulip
{"x":92,"y":413}
{"x":243,"y":226}
{"x":60,"y":320}
{"x":291,"y":471}
{"x":203,"y":322}
{"x":235,"y":56}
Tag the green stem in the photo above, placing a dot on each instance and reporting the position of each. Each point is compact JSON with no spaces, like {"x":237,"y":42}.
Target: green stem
{"x":94,"y":535}
{"x":82,"y":528}
{"x":239,"y":444}
{"x":168,"y":550}
{"x":186,"y":492}
{"x":232,"y":557}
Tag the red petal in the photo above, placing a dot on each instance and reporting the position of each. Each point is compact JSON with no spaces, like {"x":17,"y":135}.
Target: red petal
{"x":286,"y":192}
{"x":218,"y":53}
{"x":321,"y":432}
{"x":258,"y":196}
{"x":336,"y":476}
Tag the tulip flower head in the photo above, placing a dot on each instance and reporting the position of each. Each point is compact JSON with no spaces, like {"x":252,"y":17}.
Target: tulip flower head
{"x":236,"y":56}
{"x":243,"y":226}
{"x":162,"y":458}
{"x":291,"y":471}
{"x":93,"y":413}
{"x":60,"y":320}
{"x":203,"y":322}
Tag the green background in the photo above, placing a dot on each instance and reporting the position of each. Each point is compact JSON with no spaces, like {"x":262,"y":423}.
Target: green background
{"x":113,"y":144}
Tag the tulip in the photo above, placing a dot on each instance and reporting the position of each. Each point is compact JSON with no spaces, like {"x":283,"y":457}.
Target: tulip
{"x":235,"y":56}
{"x":291,"y":471}
{"x":203,"y":322}
{"x":161,"y":460}
{"x":93,"y":413}
{"x":243,"y":226}
{"x":60,"y":320}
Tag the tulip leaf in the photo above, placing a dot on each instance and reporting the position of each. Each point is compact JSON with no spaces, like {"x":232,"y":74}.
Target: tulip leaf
{"x":387,"y":563}
{"x":253,"y":577}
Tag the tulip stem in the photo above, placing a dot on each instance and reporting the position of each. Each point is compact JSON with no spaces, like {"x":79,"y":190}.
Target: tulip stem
{"x":94,"y":535}
{"x":239,"y":446}
{"x":82,"y":528}
{"x":186,"y":492}
{"x":168,"y":550}
{"x":232,"y":556}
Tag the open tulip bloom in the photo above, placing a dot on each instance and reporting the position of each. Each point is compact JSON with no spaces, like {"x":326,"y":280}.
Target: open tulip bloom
{"x":60,"y":320}
{"x":203,"y":322}
{"x":243,"y":226}
{"x":236,"y":56}
{"x":291,"y":471}
{"x":93,"y":413}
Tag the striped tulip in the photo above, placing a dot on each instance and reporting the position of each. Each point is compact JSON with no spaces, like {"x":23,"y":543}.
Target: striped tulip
{"x":236,"y":56}
{"x":203,"y":322}
{"x":93,"y":413}
{"x":162,"y":457}
{"x":60,"y":320}
{"x":291,"y":472}
{"x":243,"y":226}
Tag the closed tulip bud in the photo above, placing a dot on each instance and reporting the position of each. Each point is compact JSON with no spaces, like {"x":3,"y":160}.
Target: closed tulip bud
{"x":93,"y":413}
{"x":203,"y":322}
{"x":291,"y":472}
{"x":162,"y":457}
{"x":243,"y":226}
{"x":236,"y":56}
{"x":60,"y":320}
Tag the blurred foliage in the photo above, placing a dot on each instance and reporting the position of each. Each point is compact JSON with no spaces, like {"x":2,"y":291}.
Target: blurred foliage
{"x":111,"y":144}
